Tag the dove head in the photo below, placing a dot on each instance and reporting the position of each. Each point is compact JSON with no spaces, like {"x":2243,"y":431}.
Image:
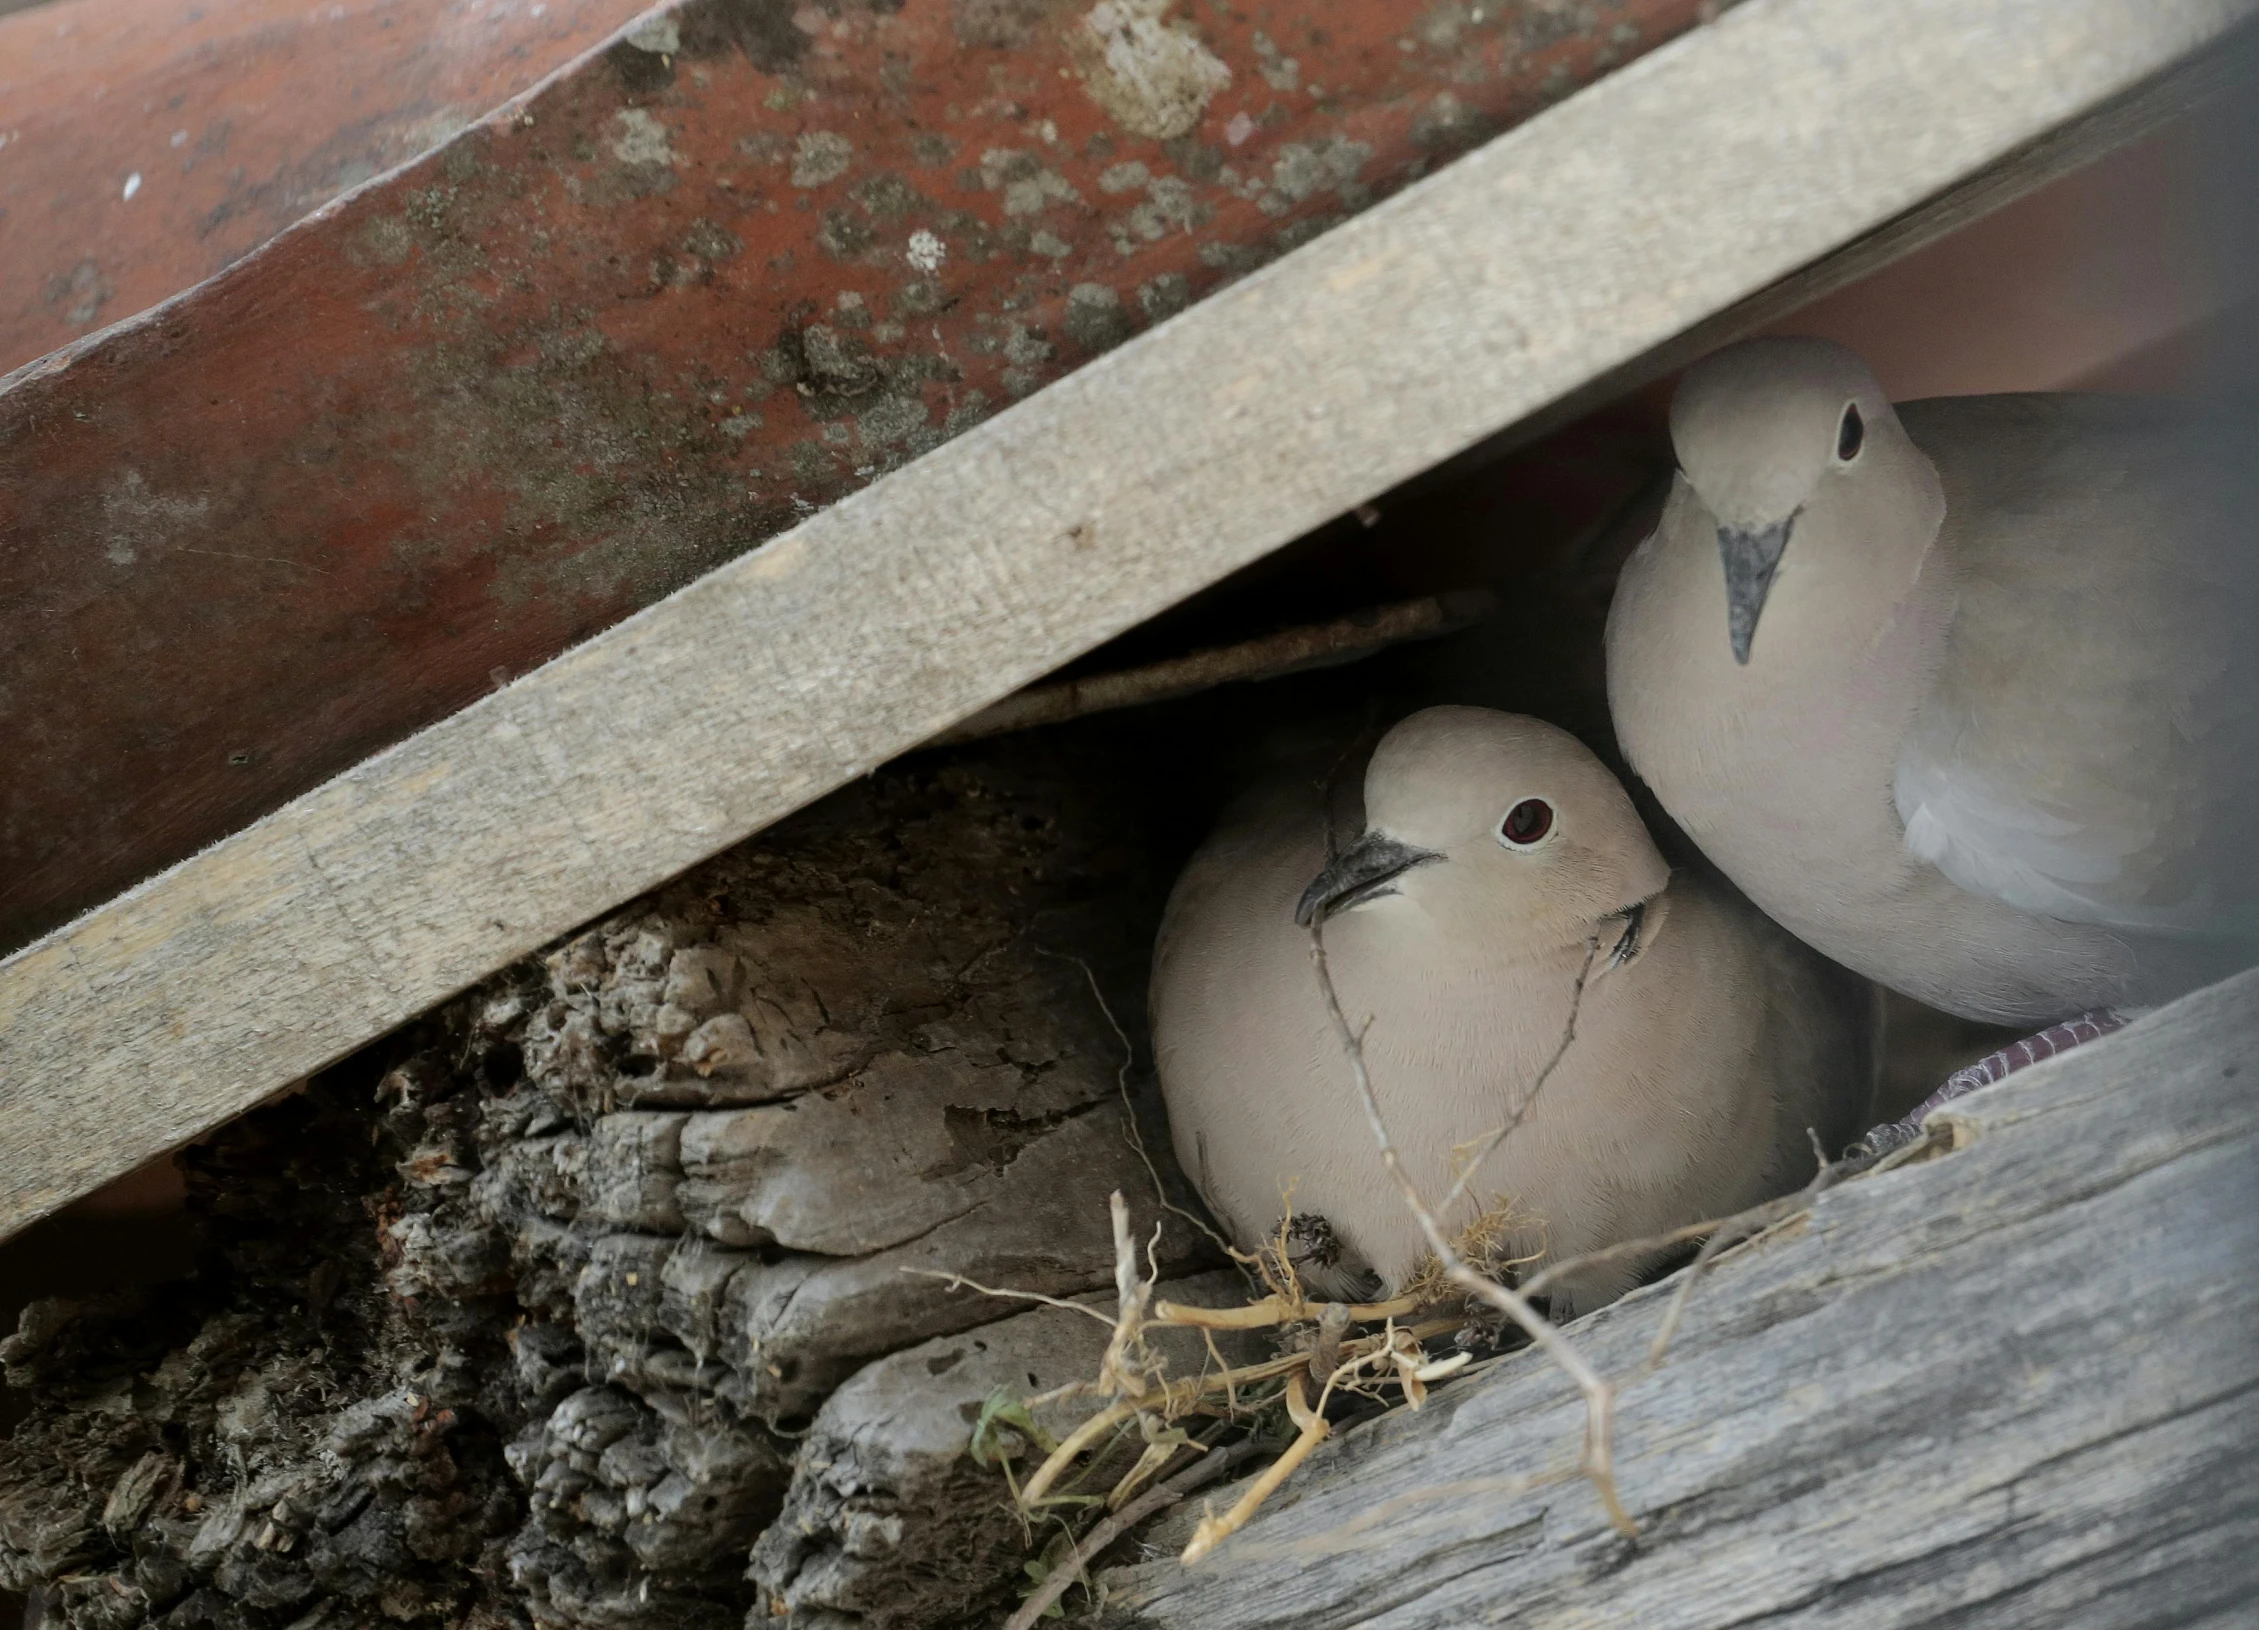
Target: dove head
{"x":1782,"y":439}
{"x":1489,"y":828}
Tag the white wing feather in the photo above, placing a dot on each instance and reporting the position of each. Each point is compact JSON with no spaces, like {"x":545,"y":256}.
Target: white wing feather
{"x":1990,"y":843}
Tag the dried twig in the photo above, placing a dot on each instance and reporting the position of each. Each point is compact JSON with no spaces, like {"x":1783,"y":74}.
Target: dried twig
{"x":1366,"y":1364}
{"x":1751,"y":1224}
{"x":1274,"y":1310}
{"x":957,"y":1281}
{"x":1136,"y":1380}
{"x":1381,"y":1527}
{"x":1149,"y":1466}
{"x":1174,"y":1396}
{"x":1494,"y":1138}
{"x":1073,"y":1444}
{"x":1062,"y":1578}
{"x":1598,"y":1460}
{"x":1125,"y":1368}
{"x":1554,"y":1272}
{"x":1338,"y":1360}
{"x":1759,"y":1221}
{"x":1318,"y":645}
{"x":1390,"y":1352}
{"x":1311,"y":1431}
{"x":1325,"y":1357}
{"x":1129,"y":1104}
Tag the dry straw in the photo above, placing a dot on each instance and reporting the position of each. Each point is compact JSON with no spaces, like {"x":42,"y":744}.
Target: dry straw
{"x":1379,"y":1350}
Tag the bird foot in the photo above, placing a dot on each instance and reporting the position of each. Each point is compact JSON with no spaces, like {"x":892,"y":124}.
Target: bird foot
{"x":2056,"y":1038}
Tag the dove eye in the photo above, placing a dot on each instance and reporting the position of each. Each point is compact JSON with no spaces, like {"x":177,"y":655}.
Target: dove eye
{"x":1851,"y":434}
{"x":1526,"y":823}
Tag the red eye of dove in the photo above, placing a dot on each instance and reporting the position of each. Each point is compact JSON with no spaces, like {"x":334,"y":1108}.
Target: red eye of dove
{"x":1527,"y":822}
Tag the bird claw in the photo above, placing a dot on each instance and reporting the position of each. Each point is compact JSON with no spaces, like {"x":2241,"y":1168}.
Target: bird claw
{"x":1993,"y":1067}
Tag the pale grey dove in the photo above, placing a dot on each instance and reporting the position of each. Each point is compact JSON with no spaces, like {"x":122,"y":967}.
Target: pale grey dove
{"x":1497,"y":855}
{"x":1961,"y":692}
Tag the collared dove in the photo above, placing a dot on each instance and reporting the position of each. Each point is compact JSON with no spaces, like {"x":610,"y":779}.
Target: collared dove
{"x":1497,"y":857}
{"x":1964,"y":693}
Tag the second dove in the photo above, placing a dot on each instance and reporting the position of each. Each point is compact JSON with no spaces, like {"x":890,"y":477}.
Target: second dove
{"x":1499,"y":865}
{"x":1964,"y":693}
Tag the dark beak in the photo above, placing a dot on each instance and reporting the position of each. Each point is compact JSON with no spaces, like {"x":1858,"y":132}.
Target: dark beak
{"x":1751,"y":558}
{"x":1364,"y":871}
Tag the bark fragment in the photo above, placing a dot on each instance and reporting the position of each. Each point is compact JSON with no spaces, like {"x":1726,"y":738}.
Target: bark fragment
{"x":523,"y":1316}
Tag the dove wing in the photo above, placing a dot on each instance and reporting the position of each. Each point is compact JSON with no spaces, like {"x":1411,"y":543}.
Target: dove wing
{"x":2090,"y":748}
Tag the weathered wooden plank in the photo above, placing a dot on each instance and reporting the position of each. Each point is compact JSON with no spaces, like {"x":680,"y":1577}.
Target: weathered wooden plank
{"x":2007,"y":1387}
{"x":699,"y":283}
{"x":1581,"y":240}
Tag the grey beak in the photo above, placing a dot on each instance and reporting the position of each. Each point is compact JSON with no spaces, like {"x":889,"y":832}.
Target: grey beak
{"x":1364,"y":871}
{"x":1751,"y":557}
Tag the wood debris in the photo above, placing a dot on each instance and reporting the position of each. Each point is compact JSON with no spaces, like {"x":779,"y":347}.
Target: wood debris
{"x":532,"y":1314}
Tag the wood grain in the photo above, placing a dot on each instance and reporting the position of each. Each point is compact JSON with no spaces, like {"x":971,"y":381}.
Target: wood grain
{"x":1582,"y":240}
{"x":446,"y":424}
{"x":2008,"y":1387}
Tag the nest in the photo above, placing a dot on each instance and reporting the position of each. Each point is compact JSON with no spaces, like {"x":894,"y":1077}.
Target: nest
{"x":629,"y":1289}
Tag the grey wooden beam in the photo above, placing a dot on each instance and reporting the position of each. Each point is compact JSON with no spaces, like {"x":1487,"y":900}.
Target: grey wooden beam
{"x":1569,"y":247}
{"x":2009,"y":1387}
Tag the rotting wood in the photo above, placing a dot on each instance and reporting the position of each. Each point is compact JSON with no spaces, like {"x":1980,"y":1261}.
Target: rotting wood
{"x":557,"y":1325}
{"x":1580,"y":241}
{"x":2005,"y":1387}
